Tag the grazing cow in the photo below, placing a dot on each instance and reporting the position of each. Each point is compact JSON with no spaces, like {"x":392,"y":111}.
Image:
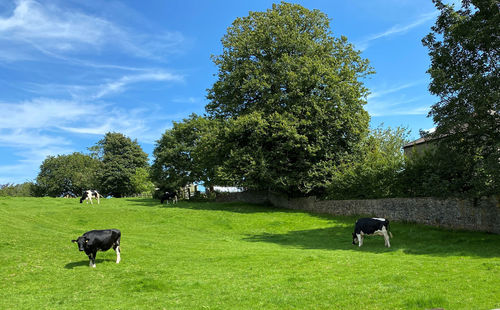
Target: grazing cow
{"x":169,"y":196}
{"x":99,"y":240}
{"x":371,"y":226}
{"x":89,"y":194}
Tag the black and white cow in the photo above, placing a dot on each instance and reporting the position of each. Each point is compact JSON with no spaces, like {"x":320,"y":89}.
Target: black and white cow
{"x":371,"y":226}
{"x":99,"y":240}
{"x":89,"y":194}
{"x":169,"y":197}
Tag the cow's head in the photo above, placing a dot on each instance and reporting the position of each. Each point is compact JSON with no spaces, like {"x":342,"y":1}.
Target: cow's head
{"x":354,"y":238}
{"x":82,"y":242}
{"x":84,"y":196}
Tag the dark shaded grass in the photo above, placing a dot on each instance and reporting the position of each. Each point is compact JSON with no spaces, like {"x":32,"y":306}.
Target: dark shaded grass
{"x":412,"y":239}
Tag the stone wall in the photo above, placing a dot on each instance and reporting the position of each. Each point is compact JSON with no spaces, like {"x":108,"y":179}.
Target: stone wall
{"x":480,"y":215}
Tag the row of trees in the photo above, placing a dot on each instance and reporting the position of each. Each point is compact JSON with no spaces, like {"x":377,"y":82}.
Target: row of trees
{"x":286,"y":114}
{"x":116,"y":166}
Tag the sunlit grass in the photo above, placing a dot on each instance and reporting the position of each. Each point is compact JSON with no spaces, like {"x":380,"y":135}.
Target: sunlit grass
{"x":234,"y":256}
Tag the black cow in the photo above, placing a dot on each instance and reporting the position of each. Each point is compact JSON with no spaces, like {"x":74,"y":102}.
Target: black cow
{"x":99,"y":240}
{"x":89,"y":194}
{"x":169,"y":196}
{"x":371,"y":226}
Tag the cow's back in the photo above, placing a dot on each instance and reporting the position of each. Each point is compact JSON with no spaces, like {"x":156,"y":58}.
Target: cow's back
{"x":369,"y":225}
{"x":103,"y":239}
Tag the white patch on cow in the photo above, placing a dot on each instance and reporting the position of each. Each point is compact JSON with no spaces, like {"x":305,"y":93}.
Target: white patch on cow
{"x":382,"y":232}
{"x":379,"y":218}
{"x":89,"y":197}
{"x":118,"y":258}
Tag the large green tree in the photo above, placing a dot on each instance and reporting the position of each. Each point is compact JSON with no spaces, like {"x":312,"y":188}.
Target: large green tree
{"x":464,"y":48}
{"x":68,"y":173}
{"x":120,"y":156}
{"x":185,"y":154}
{"x":292,"y":97}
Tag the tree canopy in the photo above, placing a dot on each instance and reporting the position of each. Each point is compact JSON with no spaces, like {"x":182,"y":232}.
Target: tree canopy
{"x":188,"y":153}
{"x":120,"y":156}
{"x":464,"y":47}
{"x":71,"y":173}
{"x":291,"y":96}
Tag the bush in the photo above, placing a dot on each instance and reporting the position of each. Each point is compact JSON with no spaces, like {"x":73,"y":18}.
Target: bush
{"x":26,"y":189}
{"x":376,"y":171}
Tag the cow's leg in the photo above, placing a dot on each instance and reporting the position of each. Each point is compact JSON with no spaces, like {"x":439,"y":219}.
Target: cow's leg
{"x":90,"y":198}
{"x":360,"y":239}
{"x":92,"y":259}
{"x":386,"y":238}
{"x":98,"y":202}
{"x":116,"y":247}
{"x":117,"y":250}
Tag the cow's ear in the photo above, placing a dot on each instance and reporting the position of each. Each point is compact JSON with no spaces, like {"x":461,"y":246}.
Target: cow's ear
{"x":73,"y":241}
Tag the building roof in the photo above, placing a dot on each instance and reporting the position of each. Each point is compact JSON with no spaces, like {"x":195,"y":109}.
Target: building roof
{"x":415,"y":142}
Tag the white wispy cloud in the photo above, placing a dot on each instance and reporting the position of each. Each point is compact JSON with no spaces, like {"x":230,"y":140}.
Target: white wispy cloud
{"x":29,"y":162}
{"x":108,"y":87}
{"x":56,"y":32}
{"x":44,"y":114}
{"x":397,"y":100}
{"x":38,"y":128}
{"x":43,"y":122}
{"x":396,"y":30}
{"x":397,"y":88}
{"x":48,"y":25}
{"x":187,"y":100}
{"x":396,"y":108}
{"x":120,"y":84}
{"x":40,"y":113}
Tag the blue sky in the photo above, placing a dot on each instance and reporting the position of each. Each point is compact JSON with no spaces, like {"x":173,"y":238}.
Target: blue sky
{"x":70,"y":71}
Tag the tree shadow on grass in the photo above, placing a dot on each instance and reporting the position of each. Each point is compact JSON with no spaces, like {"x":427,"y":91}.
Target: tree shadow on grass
{"x":237,"y":207}
{"x":412,"y":239}
{"x":86,"y":263}
{"x":146,"y":202}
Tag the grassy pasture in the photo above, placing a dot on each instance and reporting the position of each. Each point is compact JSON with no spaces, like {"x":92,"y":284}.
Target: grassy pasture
{"x":234,"y":256}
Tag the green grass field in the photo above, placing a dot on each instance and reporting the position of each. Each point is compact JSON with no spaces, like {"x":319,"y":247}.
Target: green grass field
{"x":234,"y":256}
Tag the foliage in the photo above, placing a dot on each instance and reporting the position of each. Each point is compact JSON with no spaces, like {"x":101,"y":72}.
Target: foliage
{"x":71,"y":173}
{"x":464,"y":47}
{"x":120,"y":157}
{"x":141,"y":181}
{"x":292,"y":99}
{"x":25,"y":189}
{"x":234,"y":256}
{"x":186,"y":154}
{"x":441,"y":171}
{"x":375,"y":172}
